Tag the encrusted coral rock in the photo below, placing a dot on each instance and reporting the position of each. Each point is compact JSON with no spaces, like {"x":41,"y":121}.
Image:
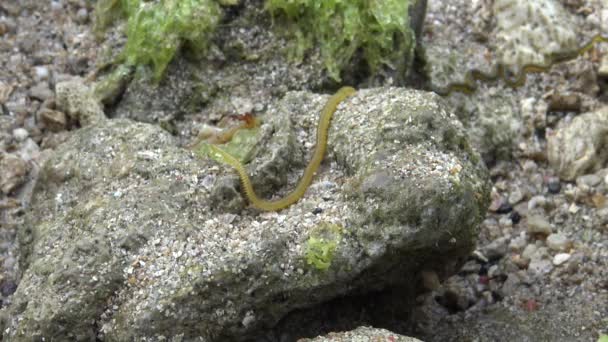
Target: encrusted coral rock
{"x":579,"y":147}
{"x":529,"y":31}
{"x":75,"y":98}
{"x":125,"y":241}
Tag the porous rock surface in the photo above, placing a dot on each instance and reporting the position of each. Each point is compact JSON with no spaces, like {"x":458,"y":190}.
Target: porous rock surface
{"x":124,"y":240}
{"x":362,"y":334}
{"x":579,"y":146}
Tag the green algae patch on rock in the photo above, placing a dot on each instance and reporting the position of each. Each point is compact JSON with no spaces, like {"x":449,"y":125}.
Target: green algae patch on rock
{"x":156,"y":30}
{"x":380,"y":29}
{"x":321,"y":245}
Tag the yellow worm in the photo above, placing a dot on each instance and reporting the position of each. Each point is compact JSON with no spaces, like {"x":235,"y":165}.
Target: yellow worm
{"x":500,"y":70}
{"x":311,"y":168}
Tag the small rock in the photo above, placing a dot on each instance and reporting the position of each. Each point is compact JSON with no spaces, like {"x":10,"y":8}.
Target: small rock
{"x":76,"y":99}
{"x":510,"y":284}
{"x":539,"y":266}
{"x":5,"y":92}
{"x":8,"y":287}
{"x":538,"y":201}
{"x":560,"y":258}
{"x":539,"y":225}
{"x":554,"y":185}
{"x":602,"y":71}
{"x":529,"y":251}
{"x":41,"y":91}
{"x":515,"y":217}
{"x":577,"y":148}
{"x":518,"y":243}
{"x":41,"y":73}
{"x":557,"y":242}
{"x":588,"y":181}
{"x":53,"y":120}
{"x":471,"y":266}
{"x":20,"y":134}
{"x":82,"y":16}
{"x":12,"y":172}
{"x":495,"y":249}
{"x":565,"y":103}
{"x":516,"y":196}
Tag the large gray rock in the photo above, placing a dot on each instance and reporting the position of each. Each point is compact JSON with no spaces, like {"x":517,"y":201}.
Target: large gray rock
{"x":362,"y":334}
{"x":128,"y":240}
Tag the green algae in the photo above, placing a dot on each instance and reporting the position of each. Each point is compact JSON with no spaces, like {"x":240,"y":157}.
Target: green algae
{"x":379,"y":29}
{"x":321,"y":245}
{"x":157,"y":30}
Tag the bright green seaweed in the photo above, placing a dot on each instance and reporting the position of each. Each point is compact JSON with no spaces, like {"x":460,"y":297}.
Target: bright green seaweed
{"x":379,"y":29}
{"x":156,"y":30}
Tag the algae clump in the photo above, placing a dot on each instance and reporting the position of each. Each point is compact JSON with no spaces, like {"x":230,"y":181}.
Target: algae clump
{"x":321,"y":245}
{"x":379,"y":29}
{"x":157,"y":29}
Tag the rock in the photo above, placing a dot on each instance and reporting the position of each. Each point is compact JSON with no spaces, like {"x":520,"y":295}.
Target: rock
{"x":518,"y":243}
{"x":53,"y":120}
{"x":41,"y":91}
{"x":539,"y":266}
{"x":529,"y":251}
{"x":12,"y":172}
{"x":41,"y":73}
{"x":120,"y":215}
{"x":560,"y":258}
{"x":76,"y":100}
{"x":558,"y":242}
{"x":361,"y":334}
{"x":528,"y":32}
{"x":20,"y":134}
{"x":588,"y":181}
{"x":602,"y":71}
{"x":5,"y":92}
{"x":82,"y":15}
{"x":538,"y":224}
{"x":496,"y":249}
{"x":578,"y":147}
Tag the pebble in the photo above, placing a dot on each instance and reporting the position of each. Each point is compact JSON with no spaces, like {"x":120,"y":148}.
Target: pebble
{"x":41,"y":73}
{"x":557,"y":242}
{"x":553,"y":185}
{"x":20,"y":134}
{"x":539,"y":225}
{"x":560,"y":258}
{"x":515,"y":217}
{"x":41,"y":91}
{"x":529,"y":251}
{"x":602,"y":71}
{"x":82,"y":16}
{"x":53,"y":120}
{"x":5,"y":92}
{"x":518,"y":243}
{"x":516,"y":196}
{"x":588,"y":180}
{"x":495,"y":249}
{"x":538,"y":201}
{"x":539,"y":266}
{"x":12,"y":172}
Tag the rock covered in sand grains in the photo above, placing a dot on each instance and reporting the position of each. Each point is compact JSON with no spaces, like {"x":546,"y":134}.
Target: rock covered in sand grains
{"x":125,"y":241}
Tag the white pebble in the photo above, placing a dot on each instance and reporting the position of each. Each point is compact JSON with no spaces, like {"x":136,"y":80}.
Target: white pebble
{"x":557,"y":242}
{"x":20,"y":134}
{"x":41,"y":73}
{"x":560,"y":258}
